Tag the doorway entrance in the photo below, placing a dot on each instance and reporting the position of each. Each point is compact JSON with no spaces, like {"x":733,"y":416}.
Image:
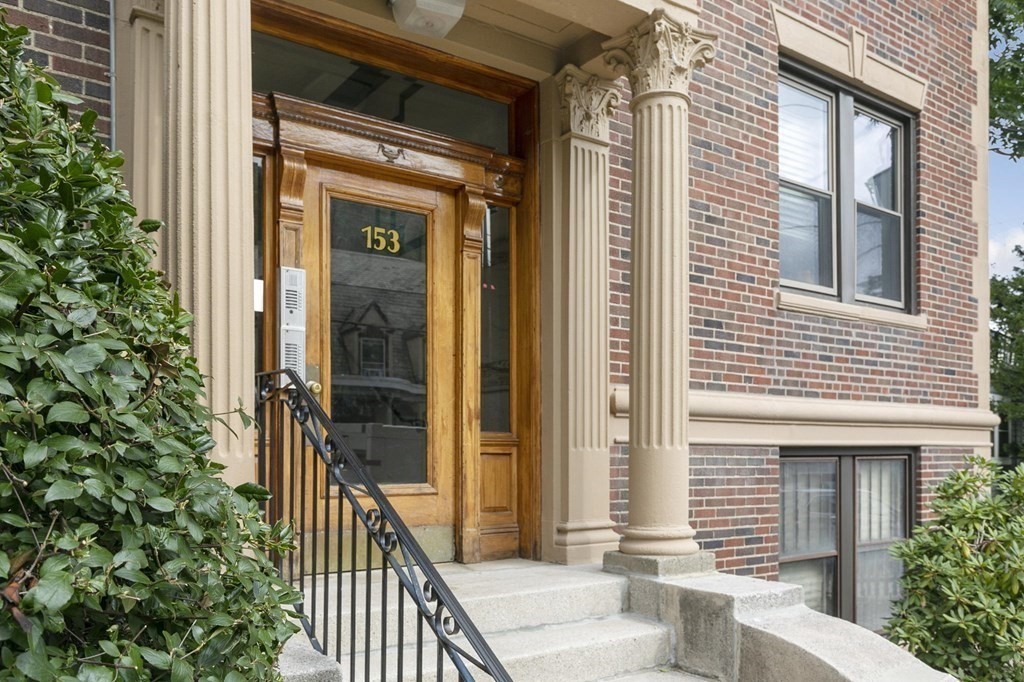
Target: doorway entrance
{"x":418,"y":253}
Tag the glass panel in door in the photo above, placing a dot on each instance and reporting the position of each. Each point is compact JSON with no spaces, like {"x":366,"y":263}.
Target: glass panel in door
{"x":378,"y":337}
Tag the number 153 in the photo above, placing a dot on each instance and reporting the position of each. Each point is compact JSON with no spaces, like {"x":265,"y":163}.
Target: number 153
{"x":381,"y":239}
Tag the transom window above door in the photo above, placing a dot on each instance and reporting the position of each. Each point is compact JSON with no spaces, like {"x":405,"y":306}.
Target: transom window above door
{"x":845,"y":194}
{"x":280,"y":65}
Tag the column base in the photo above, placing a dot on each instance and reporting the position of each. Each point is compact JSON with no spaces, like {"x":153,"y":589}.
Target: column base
{"x":691,"y":564}
{"x":660,"y":541}
{"x":584,"y":542}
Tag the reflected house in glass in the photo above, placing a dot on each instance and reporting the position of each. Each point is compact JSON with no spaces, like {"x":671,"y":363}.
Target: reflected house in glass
{"x":378,"y":332}
{"x":554,"y":324}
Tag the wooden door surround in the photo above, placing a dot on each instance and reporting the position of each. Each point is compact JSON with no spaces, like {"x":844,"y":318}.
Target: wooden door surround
{"x":494,"y":477}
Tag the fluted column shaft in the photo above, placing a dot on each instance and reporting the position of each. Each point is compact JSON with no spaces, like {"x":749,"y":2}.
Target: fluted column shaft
{"x":583,"y":529}
{"x":209,"y":255}
{"x":659,"y":56}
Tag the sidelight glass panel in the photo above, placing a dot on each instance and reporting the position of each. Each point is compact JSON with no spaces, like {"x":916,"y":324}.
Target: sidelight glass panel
{"x":378,"y":328}
{"x":258,"y":246}
{"x":881,"y":520}
{"x":808,"y":507}
{"x":805,"y":241}
{"x":280,"y":65}
{"x":495,"y":322}
{"x":874,"y":144}
{"x":817,"y":577}
{"x":879,"y":254}
{"x":804,"y":121}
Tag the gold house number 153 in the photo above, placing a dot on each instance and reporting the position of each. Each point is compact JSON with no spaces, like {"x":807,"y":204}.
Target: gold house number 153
{"x":381,"y":239}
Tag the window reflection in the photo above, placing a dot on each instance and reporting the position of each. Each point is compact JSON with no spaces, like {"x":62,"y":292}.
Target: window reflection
{"x":495,"y":318}
{"x":280,"y":65}
{"x":378,"y":337}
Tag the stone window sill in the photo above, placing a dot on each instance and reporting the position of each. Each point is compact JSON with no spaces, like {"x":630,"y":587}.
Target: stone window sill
{"x":812,"y":305}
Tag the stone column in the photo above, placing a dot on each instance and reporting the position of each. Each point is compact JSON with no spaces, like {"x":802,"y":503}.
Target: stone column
{"x":659,"y":56}
{"x":583,"y":529}
{"x":209,"y":254}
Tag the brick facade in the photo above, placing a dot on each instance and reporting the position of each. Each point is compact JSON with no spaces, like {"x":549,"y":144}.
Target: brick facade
{"x":71,"y":39}
{"x":740,"y":341}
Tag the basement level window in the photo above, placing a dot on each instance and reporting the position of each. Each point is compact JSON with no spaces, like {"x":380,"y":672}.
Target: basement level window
{"x":839,"y":514}
{"x":280,"y":65}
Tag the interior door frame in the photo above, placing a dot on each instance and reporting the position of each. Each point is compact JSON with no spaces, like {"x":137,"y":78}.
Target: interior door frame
{"x":291,"y":134}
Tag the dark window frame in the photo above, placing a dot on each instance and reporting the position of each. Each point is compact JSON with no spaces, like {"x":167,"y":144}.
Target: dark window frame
{"x":846,"y":102}
{"x":846,"y":510}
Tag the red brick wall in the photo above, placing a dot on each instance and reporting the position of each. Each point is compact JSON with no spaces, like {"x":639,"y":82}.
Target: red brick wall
{"x":71,"y":39}
{"x":740,"y":341}
{"x":734,"y":507}
{"x":933,"y":465}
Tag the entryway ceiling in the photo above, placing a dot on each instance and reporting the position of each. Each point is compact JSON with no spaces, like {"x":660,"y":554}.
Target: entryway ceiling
{"x":531,"y":38}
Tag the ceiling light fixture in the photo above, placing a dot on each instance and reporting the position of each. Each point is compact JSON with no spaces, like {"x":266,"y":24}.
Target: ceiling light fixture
{"x":434,"y":18}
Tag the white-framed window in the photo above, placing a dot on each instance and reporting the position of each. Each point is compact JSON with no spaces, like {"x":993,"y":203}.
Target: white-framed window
{"x":845,"y":193}
{"x":840,"y":511}
{"x":372,"y":357}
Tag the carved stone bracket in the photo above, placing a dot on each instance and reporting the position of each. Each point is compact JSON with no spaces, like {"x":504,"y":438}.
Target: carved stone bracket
{"x":588,"y":103}
{"x":660,"y":54}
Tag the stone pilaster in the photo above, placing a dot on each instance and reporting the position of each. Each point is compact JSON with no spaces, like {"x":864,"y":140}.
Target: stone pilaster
{"x":148,"y":112}
{"x":209,"y":211}
{"x":583,"y":528}
{"x":659,"y":56}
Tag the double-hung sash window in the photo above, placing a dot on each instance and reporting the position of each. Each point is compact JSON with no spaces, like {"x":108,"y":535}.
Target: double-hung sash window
{"x":843,"y":195}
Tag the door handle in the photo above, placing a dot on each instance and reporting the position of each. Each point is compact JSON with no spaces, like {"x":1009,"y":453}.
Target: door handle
{"x":314,"y":387}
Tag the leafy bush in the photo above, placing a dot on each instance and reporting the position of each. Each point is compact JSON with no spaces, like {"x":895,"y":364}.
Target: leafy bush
{"x":963,"y":609}
{"x":123,"y":555}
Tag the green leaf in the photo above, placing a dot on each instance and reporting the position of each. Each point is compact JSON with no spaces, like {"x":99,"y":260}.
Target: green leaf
{"x":109,"y":648}
{"x":88,"y":119}
{"x":5,"y":566}
{"x":44,"y":93}
{"x":63,"y":490}
{"x":53,"y":591}
{"x":253,"y":491}
{"x":13,"y":520}
{"x":86,"y":357}
{"x":35,"y":664}
{"x":96,"y":673}
{"x":150,"y":226}
{"x":82,"y":317}
{"x":160,"y":660}
{"x":181,"y":671}
{"x":160,"y":504}
{"x":34,"y":454}
{"x":67,"y":412}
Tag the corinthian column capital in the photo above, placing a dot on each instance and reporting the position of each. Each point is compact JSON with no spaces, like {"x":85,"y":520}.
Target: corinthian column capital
{"x":660,"y":54}
{"x":587,"y":103}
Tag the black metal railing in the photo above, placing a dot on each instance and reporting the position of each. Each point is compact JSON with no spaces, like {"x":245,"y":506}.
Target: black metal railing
{"x":353,"y":550}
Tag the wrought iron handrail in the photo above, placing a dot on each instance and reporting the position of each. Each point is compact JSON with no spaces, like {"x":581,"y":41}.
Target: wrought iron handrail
{"x":291,"y":422}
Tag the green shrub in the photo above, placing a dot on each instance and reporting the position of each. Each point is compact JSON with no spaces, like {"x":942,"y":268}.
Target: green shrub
{"x":123,"y":555}
{"x":963,"y":608}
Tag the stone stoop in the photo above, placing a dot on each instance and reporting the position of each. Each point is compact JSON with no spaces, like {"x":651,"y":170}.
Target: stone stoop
{"x":545,"y":622}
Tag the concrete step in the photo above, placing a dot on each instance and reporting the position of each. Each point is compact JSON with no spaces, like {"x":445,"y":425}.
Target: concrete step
{"x":498,"y":596}
{"x":568,"y":652}
{"x":657,"y":675}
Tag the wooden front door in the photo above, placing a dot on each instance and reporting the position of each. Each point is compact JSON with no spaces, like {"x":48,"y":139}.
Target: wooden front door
{"x":381,"y":261}
{"x":415,"y":326}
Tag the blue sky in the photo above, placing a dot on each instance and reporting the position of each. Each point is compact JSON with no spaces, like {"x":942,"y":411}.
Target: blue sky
{"x":1005,"y":212}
